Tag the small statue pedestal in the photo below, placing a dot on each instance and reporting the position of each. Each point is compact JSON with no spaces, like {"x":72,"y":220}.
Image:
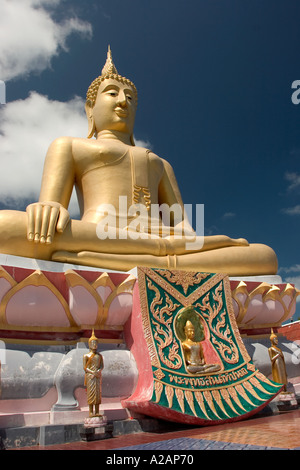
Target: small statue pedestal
{"x":95,"y":428}
{"x":286,"y":401}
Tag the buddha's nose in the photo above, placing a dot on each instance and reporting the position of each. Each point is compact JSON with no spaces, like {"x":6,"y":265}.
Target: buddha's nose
{"x":122,"y":98}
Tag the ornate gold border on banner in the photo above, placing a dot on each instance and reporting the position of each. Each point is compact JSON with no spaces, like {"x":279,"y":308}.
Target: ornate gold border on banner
{"x":184,"y":300}
{"x":145,"y":319}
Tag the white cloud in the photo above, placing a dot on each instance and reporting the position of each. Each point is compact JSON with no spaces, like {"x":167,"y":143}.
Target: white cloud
{"x":228,"y":215}
{"x":292,"y":279}
{"x":294,"y":179}
{"x":290,"y":269}
{"x":292,"y":210}
{"x":143,"y":143}
{"x":29,"y":37}
{"x":27,"y":127}
{"x":2,"y":92}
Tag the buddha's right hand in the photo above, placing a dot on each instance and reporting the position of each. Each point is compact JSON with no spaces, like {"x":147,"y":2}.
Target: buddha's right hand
{"x":44,"y":218}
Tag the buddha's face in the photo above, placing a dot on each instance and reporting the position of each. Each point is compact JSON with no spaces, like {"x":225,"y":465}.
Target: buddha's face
{"x":115,"y":107}
{"x":190,"y":332}
{"x":93,"y":345}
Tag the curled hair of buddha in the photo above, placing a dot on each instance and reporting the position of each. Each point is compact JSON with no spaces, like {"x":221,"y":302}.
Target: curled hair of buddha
{"x":109,"y":71}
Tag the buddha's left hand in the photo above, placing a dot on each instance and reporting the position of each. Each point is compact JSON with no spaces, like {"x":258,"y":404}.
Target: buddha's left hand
{"x":44,"y":218}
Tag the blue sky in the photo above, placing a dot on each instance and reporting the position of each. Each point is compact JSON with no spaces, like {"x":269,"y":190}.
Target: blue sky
{"x":214,"y":79}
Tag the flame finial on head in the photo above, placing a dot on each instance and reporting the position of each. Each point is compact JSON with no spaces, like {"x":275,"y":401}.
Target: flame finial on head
{"x":109,"y":67}
{"x":93,"y":337}
{"x":189,"y":324}
{"x":273,"y":335}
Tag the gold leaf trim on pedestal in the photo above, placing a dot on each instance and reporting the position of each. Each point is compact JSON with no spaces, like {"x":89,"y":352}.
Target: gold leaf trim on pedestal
{"x":5,"y":275}
{"x":241,"y":288}
{"x":36,"y":279}
{"x":75,"y":280}
{"x":267,"y":292}
{"x":103,"y":280}
{"x":126,"y":287}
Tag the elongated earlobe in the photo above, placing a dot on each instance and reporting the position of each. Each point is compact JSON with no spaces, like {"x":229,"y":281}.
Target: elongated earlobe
{"x":91,"y":121}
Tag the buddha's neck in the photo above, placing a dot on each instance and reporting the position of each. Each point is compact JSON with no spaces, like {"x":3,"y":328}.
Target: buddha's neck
{"x":115,"y":135}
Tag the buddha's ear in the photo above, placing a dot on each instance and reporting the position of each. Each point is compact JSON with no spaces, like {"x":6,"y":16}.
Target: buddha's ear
{"x":90,"y":118}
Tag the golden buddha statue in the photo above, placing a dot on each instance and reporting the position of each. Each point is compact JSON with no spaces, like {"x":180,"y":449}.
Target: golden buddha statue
{"x":93,"y":365}
{"x":278,"y":363}
{"x":116,"y":181}
{"x":193,"y":353}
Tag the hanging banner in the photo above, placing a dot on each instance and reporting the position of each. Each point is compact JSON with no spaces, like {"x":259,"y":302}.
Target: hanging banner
{"x":193,"y":365}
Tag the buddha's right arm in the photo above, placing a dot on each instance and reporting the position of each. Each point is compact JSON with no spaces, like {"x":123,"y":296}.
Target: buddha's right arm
{"x":50,"y":213}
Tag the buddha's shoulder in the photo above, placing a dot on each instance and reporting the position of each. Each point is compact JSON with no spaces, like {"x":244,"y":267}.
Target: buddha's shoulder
{"x":68,"y":140}
{"x":152,"y":155}
{"x":75,"y":144}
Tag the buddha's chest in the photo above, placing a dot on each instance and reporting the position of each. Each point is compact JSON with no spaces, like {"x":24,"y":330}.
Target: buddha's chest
{"x":112,"y":160}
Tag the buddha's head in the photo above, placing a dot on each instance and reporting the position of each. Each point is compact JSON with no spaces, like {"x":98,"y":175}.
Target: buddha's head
{"x":93,"y":342}
{"x":189,"y":330}
{"x":273,"y":337}
{"x":111,"y":102}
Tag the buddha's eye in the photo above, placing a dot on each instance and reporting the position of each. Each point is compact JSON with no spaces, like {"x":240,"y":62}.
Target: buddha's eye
{"x":129,"y":97}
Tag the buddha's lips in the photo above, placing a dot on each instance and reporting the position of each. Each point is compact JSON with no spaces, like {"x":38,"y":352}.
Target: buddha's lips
{"x":121,"y":112}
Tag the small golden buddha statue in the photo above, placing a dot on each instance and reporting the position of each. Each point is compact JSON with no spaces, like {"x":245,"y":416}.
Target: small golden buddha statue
{"x":278,"y":363}
{"x":93,"y":365}
{"x":193,"y":353}
{"x":112,"y":177}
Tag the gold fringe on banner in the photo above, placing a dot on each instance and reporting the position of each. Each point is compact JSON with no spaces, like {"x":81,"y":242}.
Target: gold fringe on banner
{"x":218,"y":399}
{"x":158,"y":387}
{"x":169,"y":391}
{"x":190,"y":399}
{"x":258,"y":385}
{"x":200,"y":400}
{"x":243,"y":393}
{"x":180,"y":398}
{"x":226,"y":397}
{"x":208,"y":398}
{"x":251,"y":390}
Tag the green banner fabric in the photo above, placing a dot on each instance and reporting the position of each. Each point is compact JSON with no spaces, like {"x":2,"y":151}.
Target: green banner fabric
{"x":200,"y":365}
